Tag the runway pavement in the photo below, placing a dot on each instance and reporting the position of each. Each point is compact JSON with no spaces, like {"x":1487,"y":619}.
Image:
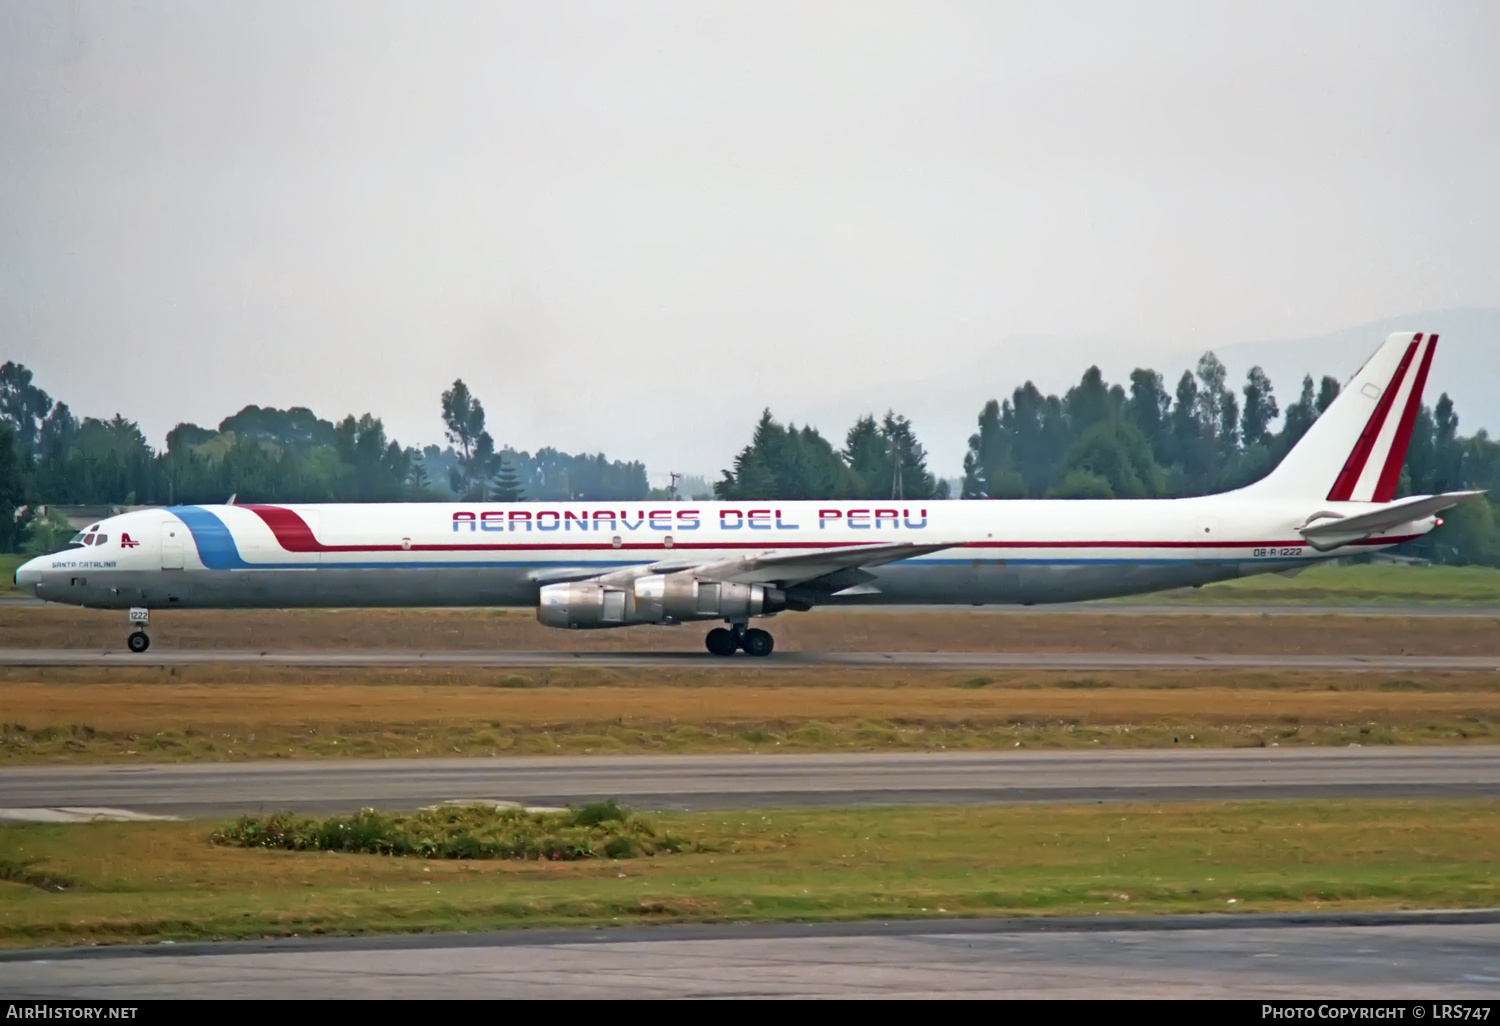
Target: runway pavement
{"x":777,"y":661}
{"x":738,"y":781}
{"x":1444,"y":957}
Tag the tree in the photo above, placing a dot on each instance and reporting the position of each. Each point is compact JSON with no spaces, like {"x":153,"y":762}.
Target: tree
{"x":1192,"y":448}
{"x":989,"y":472}
{"x":1212,"y":375}
{"x":1149,"y":408}
{"x":910,"y":478}
{"x":1091,"y":401}
{"x":23,"y":406}
{"x":1328,"y":391}
{"x":13,"y":475}
{"x":507,"y":486}
{"x":1218,"y":410}
{"x":1448,"y":448}
{"x":888,"y":460}
{"x":787,"y":463}
{"x":1299,"y":417}
{"x":295,"y":428}
{"x":1260,"y":408}
{"x":866,"y":453}
{"x":46,"y":532}
{"x":372,"y":469}
{"x":463,"y":417}
{"x":1116,"y":453}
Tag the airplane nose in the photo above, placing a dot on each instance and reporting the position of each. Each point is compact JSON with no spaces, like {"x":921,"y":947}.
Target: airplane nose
{"x":28,"y":575}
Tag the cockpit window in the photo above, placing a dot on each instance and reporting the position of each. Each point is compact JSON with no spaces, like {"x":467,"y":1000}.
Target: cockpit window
{"x":101,"y":539}
{"x":88,"y":539}
{"x":77,"y":539}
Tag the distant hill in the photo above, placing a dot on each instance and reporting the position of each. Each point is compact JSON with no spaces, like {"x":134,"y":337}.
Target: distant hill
{"x":1467,"y":365}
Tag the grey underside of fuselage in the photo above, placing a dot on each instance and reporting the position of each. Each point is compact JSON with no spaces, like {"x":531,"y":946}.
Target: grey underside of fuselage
{"x":979,"y":583}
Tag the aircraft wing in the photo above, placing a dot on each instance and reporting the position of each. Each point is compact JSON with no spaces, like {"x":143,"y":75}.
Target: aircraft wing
{"x":1328,"y":532}
{"x":784,"y":569}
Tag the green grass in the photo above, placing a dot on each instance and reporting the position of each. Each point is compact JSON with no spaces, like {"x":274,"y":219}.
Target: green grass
{"x":115,"y":882}
{"x":8,"y":563}
{"x":1358,"y":584}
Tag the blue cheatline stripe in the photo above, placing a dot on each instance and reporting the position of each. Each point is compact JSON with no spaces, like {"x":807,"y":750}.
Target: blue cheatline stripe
{"x":211,"y":535}
{"x":217,"y":550}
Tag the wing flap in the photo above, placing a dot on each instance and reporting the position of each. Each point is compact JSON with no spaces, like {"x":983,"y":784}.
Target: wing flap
{"x":786,"y":569}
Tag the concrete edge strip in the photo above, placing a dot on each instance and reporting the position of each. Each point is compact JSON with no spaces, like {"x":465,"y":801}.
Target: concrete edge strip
{"x":523,"y":936}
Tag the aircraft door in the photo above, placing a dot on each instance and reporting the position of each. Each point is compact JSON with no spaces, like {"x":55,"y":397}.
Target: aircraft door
{"x":171,"y":545}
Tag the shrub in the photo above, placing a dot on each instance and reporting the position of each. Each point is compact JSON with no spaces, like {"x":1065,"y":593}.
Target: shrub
{"x":595,"y":813}
{"x":600,"y":829}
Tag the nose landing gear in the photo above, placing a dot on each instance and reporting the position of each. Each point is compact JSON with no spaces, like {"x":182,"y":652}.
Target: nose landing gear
{"x":139,"y":641}
{"x":725,"y":642}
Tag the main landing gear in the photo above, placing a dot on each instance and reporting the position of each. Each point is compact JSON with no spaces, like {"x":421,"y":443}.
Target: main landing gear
{"x":722,"y":641}
{"x":139,"y":641}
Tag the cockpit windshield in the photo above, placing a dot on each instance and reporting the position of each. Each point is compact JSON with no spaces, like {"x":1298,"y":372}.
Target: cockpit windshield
{"x":83,"y":538}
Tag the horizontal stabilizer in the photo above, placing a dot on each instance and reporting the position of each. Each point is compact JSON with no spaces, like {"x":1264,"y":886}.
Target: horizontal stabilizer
{"x":1329,"y":532}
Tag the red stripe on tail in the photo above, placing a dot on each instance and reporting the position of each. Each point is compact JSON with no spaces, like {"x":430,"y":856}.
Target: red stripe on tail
{"x":1390,"y":474}
{"x":290,"y":529}
{"x":1354,"y":466}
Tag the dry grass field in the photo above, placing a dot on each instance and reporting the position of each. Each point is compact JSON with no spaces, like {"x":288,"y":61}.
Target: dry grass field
{"x":247,"y":712}
{"x":951,"y":630}
{"x":198,"y":713}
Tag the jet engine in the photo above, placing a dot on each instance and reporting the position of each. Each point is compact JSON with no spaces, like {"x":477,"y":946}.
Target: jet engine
{"x":654,"y":598}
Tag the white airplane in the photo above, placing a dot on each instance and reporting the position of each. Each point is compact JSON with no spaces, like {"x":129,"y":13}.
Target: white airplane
{"x":613,"y":564}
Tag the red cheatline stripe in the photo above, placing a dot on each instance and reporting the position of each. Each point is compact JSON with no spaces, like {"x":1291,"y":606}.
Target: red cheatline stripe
{"x":1343,"y":486}
{"x":1390,"y":474}
{"x":292,"y":531}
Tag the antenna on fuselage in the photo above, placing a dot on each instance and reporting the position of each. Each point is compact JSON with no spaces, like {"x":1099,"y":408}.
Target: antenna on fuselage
{"x":231,"y":499}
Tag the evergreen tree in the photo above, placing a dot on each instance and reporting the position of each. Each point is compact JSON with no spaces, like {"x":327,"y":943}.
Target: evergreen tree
{"x":787,"y":463}
{"x":866,"y":453}
{"x":507,"y":487}
{"x":909,"y":476}
{"x":418,"y":484}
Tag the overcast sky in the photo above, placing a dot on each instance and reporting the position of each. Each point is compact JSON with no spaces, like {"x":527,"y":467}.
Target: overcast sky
{"x":630,"y":226}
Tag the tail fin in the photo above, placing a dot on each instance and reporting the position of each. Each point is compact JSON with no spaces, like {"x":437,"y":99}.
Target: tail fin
{"x":1354,"y":451}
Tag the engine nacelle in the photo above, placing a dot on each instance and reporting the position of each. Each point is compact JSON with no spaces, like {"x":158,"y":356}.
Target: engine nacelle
{"x":654,"y":598}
